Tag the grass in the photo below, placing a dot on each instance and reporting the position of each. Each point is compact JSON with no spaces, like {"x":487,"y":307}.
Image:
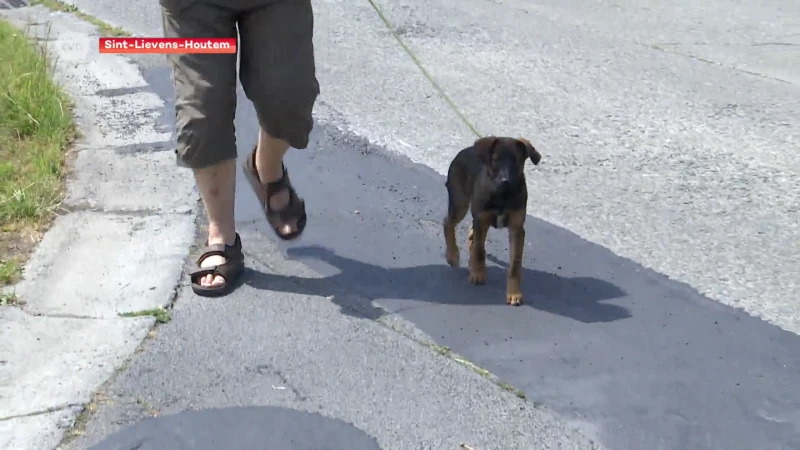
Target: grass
{"x":36,"y":126}
{"x":105,"y":29}
{"x":9,"y":271}
{"x":161,"y":314}
{"x":8,"y":299}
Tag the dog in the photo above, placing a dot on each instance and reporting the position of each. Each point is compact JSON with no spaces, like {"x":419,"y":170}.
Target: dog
{"x":488,"y":179}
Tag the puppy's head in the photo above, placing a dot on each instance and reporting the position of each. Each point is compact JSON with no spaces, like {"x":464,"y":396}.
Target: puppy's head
{"x":504,"y":159}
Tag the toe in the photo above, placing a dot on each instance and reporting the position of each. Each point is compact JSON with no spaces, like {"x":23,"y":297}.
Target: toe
{"x":211,"y":280}
{"x":206,"y":280}
{"x":287,"y":229}
{"x":217,"y":281}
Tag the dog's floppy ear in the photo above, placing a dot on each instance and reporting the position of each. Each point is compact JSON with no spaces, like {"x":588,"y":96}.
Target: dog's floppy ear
{"x":533,"y":154}
{"x":484,"y":147}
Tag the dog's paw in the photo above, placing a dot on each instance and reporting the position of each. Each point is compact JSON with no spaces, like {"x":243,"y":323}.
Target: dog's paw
{"x":514,"y":299}
{"x":453,"y":258}
{"x":477,"y":277}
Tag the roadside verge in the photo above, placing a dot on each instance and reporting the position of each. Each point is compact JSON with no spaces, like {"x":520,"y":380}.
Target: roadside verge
{"x":36,"y":127}
{"x":111,"y":260}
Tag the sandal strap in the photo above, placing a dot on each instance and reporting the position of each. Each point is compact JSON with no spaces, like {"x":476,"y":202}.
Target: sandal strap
{"x":278,"y":184}
{"x":202,"y":271}
{"x":227,"y":270}
{"x":295,"y":210}
{"x":276,"y":187}
{"x":210,"y":253}
{"x":229,"y":252}
{"x":273,"y":187}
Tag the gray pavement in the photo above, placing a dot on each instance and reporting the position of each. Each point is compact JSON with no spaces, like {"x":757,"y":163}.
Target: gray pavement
{"x":670,"y":130}
{"x":274,"y":343}
{"x":631,"y":358}
{"x":666,"y":216}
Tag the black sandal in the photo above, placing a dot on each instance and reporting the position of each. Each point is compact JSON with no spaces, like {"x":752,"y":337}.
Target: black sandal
{"x":294,"y":210}
{"x":229,"y":270}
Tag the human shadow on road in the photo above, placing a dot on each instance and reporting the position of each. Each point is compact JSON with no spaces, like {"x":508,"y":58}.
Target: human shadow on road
{"x":579,"y":298}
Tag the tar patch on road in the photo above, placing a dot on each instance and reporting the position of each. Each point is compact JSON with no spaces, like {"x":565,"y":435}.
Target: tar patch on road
{"x":240,"y":429}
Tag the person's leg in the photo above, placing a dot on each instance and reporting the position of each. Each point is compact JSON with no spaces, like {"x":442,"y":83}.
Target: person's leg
{"x":205,"y":105}
{"x":217,"y":190}
{"x":278,"y":75}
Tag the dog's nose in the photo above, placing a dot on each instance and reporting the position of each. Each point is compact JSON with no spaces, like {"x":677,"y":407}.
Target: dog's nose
{"x":503,"y":183}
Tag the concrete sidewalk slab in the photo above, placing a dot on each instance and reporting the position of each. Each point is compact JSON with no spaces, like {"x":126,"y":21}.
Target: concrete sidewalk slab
{"x":104,"y":179}
{"x":119,"y":248}
{"x":57,"y":363}
{"x":127,"y":263}
{"x":124,"y":120}
{"x":43,"y":431}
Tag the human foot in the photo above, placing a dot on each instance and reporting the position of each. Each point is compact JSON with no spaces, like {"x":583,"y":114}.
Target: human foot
{"x":217,"y":267}
{"x":209,"y":262}
{"x":285,"y":211}
{"x":279,"y":199}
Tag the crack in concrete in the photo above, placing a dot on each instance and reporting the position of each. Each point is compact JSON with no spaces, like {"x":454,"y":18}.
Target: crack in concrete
{"x":43,"y":412}
{"x":145,"y":212}
{"x":120,"y":91}
{"x":22,"y":307}
{"x":263,"y":369}
{"x":781,"y":44}
{"x":66,"y":316}
{"x":708,"y":61}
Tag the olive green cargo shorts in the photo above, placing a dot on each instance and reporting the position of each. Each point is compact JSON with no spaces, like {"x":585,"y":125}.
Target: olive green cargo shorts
{"x":277,"y":71}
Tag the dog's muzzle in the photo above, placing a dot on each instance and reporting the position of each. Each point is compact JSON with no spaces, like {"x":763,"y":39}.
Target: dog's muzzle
{"x":503,"y":180}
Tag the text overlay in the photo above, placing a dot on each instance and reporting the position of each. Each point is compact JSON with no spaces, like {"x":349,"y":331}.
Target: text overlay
{"x":166,"y":45}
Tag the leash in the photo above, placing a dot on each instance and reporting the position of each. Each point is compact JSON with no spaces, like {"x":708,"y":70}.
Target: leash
{"x":425,"y":73}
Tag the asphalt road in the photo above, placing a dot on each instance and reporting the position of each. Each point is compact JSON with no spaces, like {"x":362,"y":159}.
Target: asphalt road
{"x":670,"y":132}
{"x":629,"y":357}
{"x":669,"y":138}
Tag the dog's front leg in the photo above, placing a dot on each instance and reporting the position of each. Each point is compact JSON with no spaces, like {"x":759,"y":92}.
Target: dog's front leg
{"x":477,"y":251}
{"x":516,"y":241}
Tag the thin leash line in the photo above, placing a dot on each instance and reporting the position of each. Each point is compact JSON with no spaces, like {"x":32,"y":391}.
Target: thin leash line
{"x":425,"y":73}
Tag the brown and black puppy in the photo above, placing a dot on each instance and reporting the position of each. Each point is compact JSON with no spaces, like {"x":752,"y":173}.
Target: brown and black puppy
{"x":488,"y":180}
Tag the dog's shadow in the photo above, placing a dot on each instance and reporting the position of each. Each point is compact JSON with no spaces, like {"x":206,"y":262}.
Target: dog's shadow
{"x":579,"y":298}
